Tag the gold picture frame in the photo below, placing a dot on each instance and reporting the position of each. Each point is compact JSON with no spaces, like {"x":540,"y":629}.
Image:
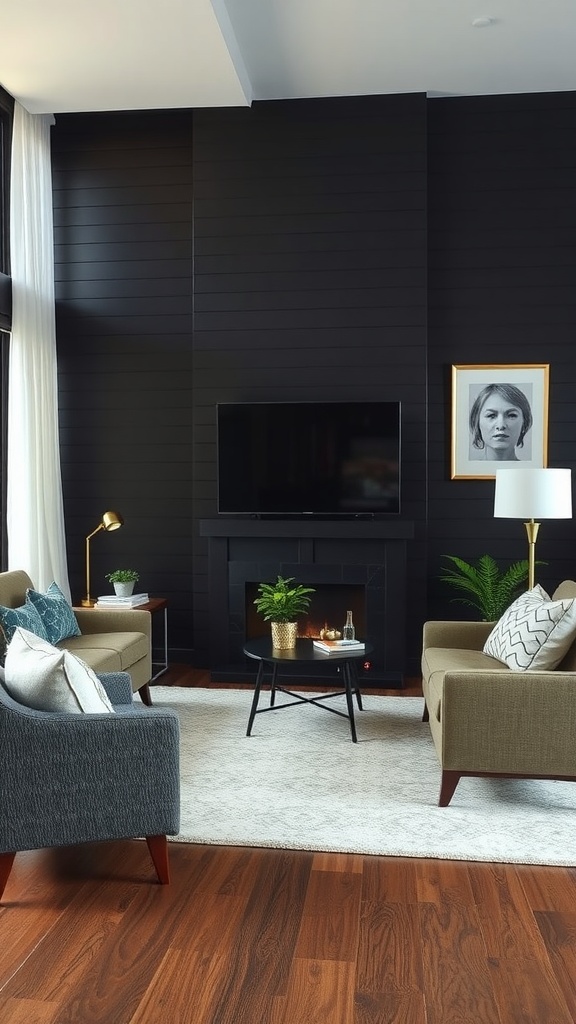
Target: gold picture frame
{"x":512,"y":429}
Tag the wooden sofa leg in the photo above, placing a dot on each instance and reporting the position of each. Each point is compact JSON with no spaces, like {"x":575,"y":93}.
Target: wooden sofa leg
{"x":6,"y":862}
{"x":425,"y":713}
{"x":145,"y":695}
{"x":449,"y":782}
{"x":158,"y":847}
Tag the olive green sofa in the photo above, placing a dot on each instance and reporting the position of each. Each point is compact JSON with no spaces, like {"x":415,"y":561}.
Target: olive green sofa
{"x":115,"y":640}
{"x":487,"y":720}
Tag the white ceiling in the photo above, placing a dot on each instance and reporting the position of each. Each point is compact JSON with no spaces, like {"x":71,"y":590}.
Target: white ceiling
{"x":79,"y":55}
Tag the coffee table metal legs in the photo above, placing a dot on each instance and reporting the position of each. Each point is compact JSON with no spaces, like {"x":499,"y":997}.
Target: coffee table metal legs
{"x":256,"y":697}
{"x":351,"y":684}
{"x":349,"y":676}
{"x":273,"y":684}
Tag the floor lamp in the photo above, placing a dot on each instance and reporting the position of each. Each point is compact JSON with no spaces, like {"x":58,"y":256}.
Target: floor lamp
{"x":110,"y":521}
{"x":532,"y":494}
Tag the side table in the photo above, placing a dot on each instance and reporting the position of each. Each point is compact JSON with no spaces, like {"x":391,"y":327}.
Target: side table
{"x":158,"y":604}
{"x":153,"y":605}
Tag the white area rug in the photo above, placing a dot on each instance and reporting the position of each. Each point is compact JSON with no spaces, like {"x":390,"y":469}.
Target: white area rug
{"x":300,"y":783}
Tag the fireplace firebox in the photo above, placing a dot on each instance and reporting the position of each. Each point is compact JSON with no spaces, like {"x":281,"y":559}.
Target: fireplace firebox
{"x":357,"y":565}
{"x":328,"y":606}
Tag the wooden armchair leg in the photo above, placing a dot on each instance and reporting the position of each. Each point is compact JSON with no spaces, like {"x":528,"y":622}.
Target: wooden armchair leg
{"x":158,"y":847}
{"x":6,"y":862}
{"x":145,"y":695}
{"x":425,"y":713}
{"x":450,"y":780}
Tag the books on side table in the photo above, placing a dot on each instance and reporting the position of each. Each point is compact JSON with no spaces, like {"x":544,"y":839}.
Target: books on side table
{"x":338,"y":646}
{"x":112,"y":601}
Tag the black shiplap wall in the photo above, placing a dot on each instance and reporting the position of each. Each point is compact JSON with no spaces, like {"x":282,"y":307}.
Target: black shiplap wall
{"x":282,"y":252}
{"x":502,"y":289}
{"x":310,"y":273}
{"x":123,"y":252}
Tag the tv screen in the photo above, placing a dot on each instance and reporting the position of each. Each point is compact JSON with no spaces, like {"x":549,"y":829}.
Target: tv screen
{"x":309,"y":458}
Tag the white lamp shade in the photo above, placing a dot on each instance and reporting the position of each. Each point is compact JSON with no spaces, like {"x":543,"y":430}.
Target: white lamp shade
{"x":523,"y":493}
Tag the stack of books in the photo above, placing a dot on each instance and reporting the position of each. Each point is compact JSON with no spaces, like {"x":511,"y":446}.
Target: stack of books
{"x":112,"y":601}
{"x":339,"y":646}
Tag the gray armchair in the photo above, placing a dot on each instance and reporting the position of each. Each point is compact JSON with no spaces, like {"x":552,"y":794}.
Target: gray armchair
{"x":78,"y":778}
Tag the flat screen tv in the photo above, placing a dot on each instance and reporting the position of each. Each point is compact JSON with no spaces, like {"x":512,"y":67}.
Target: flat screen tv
{"x":308,"y":458}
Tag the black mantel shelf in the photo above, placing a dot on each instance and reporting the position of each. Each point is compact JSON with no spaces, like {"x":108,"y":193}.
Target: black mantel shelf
{"x":361,"y":529}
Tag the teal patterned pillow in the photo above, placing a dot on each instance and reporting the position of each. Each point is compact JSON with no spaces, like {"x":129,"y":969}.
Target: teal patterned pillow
{"x":26,"y":616}
{"x":55,"y":613}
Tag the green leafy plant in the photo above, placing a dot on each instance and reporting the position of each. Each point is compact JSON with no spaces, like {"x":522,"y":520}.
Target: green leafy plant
{"x":281,"y":601}
{"x":123,"y":576}
{"x":488,"y":588}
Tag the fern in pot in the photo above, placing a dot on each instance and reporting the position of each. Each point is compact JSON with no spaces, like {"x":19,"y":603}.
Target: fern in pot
{"x":281,"y":603}
{"x":484,"y":586}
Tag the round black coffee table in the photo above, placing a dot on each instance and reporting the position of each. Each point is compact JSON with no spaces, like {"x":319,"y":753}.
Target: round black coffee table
{"x":304,"y":653}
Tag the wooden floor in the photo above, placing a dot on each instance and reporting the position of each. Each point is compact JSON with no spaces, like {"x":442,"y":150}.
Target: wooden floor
{"x":250,"y":936}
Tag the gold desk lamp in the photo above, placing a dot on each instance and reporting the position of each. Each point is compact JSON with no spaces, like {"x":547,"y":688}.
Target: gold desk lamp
{"x":110,"y":521}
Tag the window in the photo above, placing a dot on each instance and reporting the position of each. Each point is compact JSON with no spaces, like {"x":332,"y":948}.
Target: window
{"x":6,"y":118}
{"x":4,"y":339}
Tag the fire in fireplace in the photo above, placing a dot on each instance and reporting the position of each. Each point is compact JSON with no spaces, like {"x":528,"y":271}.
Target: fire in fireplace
{"x":327,"y":611}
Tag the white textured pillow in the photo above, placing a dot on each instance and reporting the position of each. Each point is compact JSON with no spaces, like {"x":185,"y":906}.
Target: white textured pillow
{"x":43,"y":677}
{"x":534,"y":632}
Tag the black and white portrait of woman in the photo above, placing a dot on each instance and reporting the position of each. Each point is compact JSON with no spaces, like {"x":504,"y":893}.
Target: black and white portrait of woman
{"x":499,"y":416}
{"x":500,"y":419}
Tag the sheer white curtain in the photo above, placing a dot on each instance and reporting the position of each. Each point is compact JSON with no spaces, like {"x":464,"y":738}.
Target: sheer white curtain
{"x":35,"y":517}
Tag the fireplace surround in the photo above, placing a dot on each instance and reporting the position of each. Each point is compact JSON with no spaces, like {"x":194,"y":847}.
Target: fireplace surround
{"x":365,"y":555}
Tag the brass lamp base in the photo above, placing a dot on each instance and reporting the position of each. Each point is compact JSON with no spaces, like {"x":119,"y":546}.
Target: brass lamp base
{"x":87,"y":602}
{"x":532,"y":533}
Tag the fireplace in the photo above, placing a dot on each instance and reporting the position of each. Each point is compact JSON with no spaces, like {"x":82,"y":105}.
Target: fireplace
{"x":352,"y":564}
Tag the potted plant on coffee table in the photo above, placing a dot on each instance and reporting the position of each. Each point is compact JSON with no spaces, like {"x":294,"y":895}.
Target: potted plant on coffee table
{"x":281,"y":603}
{"x":123,"y":581}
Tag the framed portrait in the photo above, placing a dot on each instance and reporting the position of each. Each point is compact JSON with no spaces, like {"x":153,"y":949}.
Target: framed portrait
{"x":499,"y":417}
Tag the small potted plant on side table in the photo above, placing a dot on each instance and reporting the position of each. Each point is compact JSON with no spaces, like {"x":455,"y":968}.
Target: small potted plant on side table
{"x":281,"y":603}
{"x":123,"y":581}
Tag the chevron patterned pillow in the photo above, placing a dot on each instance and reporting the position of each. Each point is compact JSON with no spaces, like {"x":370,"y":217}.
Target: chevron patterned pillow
{"x":534,"y":632}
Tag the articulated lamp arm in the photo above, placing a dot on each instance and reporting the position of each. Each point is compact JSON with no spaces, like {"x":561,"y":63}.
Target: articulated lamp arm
{"x":110,"y":521}
{"x":87,"y":602}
